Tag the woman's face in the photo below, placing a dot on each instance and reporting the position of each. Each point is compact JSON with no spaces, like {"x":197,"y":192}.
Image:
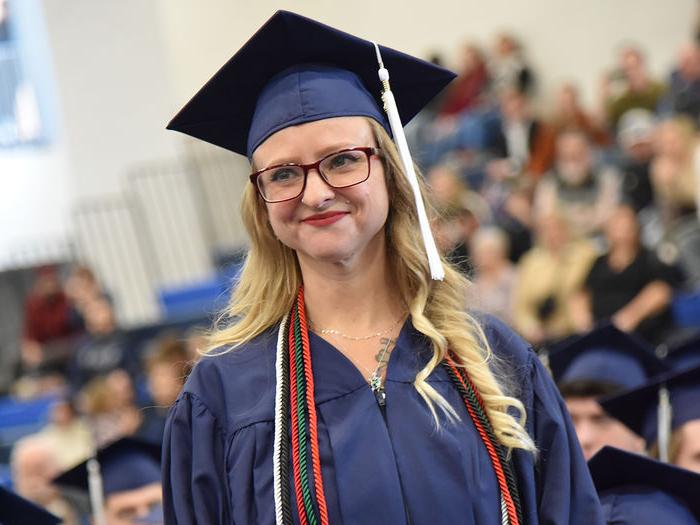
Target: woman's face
{"x":324,"y":223}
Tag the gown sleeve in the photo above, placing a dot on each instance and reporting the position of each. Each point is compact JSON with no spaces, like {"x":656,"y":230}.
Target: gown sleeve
{"x":565,"y":491}
{"x":195,"y":486}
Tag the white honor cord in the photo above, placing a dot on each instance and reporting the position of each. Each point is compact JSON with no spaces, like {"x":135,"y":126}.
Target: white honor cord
{"x":437,"y":272}
{"x":95,"y":491}
{"x":505,"y":518}
{"x":664,"y":420}
{"x":277,"y":482}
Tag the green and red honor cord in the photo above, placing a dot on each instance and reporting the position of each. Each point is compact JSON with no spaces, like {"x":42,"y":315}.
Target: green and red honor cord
{"x":296,"y":433}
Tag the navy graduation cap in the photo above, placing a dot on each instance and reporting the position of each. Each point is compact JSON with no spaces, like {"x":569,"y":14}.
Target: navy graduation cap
{"x":15,"y":510}
{"x":606,"y":355}
{"x":685,"y":355}
{"x":638,"y":408}
{"x":125,"y":464}
{"x":295,"y":70}
{"x":636,"y":489}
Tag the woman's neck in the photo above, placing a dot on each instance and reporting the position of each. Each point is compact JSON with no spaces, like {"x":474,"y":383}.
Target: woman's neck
{"x":355,"y":297}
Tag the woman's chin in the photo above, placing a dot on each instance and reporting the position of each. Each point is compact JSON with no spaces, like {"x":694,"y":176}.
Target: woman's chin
{"x":330,"y":254}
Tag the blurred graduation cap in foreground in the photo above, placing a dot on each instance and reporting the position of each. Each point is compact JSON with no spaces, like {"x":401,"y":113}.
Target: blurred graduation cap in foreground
{"x":15,"y":510}
{"x":126,"y":464}
{"x":638,"y":408}
{"x":605,"y":355}
{"x":638,"y":490}
{"x":685,"y":355}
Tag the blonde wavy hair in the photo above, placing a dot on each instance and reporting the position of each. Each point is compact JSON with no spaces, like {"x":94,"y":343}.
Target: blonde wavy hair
{"x":270,"y":279}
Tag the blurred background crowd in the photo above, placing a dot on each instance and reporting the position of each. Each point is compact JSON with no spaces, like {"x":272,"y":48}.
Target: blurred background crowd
{"x":565,"y":214}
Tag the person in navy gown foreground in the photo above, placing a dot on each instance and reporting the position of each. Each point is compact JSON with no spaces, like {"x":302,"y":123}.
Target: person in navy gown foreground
{"x":349,"y":381}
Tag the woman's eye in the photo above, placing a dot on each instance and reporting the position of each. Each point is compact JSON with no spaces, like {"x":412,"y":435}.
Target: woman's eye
{"x":283,"y":175}
{"x":344,"y":160}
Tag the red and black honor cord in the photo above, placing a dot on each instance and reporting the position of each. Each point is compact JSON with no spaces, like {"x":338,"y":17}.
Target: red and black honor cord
{"x":295,"y":417}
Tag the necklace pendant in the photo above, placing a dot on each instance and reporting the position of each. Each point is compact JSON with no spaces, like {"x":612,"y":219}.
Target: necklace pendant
{"x":375,"y":383}
{"x":381,"y":397}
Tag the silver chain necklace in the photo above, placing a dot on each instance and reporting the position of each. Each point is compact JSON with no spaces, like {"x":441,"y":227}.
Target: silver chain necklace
{"x":331,"y":331}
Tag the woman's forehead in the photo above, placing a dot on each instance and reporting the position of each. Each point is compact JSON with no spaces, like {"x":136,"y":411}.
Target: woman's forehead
{"x":309,"y":141}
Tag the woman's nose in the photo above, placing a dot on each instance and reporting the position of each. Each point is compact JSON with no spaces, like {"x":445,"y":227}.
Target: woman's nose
{"x":317,"y":190}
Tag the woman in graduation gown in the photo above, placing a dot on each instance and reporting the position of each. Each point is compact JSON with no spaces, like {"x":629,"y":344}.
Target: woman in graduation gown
{"x":349,"y":381}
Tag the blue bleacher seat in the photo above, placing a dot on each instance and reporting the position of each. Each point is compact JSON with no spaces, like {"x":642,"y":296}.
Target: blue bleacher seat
{"x":686,"y":309}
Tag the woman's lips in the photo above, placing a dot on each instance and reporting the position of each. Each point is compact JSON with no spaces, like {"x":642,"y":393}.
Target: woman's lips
{"x":324,"y":219}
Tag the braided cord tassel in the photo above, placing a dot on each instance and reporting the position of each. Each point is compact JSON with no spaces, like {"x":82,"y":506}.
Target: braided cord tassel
{"x":473,"y":407}
{"x":280,"y":458}
{"x":500,"y":450}
{"x":294,"y":404}
{"x":311,"y":408}
{"x":303,"y":418}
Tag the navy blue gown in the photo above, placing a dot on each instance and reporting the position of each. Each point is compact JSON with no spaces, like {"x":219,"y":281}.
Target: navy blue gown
{"x":218,"y":443}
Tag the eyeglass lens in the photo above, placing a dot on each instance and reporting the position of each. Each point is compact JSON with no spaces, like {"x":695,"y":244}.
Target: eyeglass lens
{"x":339,"y":170}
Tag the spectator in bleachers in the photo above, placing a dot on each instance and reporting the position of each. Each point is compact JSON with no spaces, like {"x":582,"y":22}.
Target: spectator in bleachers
{"x":494,"y":274}
{"x":675,"y":174}
{"x":104,"y":348}
{"x":509,"y":68}
{"x":683,"y":96}
{"x":108,"y":402}
{"x":675,"y":169}
{"x":629,"y":86}
{"x":473,"y":211}
{"x":34,"y":463}
{"x":68,"y":433}
{"x":584,"y":192}
{"x":82,"y":287}
{"x":523,"y":143}
{"x":548,"y":276}
{"x":166,"y":370}
{"x":467,"y":90}
{"x":50,"y":323}
{"x":447,"y":194}
{"x":569,"y":114}
{"x":634,"y":137}
{"x":628,"y":285}
{"x":446,"y":188}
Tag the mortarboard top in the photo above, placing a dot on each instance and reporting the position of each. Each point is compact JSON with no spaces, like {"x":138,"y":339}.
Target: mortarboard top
{"x":125,"y":464}
{"x":685,"y":355}
{"x":608,"y":355}
{"x":15,"y":510}
{"x":295,"y":70}
{"x":669,"y":494}
{"x":637,"y":408}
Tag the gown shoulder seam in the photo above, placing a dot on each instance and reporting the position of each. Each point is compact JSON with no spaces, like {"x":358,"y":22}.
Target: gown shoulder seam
{"x":203,"y":404}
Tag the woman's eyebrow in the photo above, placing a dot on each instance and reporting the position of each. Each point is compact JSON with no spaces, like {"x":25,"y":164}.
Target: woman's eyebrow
{"x":327,"y":150}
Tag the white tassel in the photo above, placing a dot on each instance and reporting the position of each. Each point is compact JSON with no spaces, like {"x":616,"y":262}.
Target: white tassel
{"x":437,"y":272}
{"x":277,"y":482}
{"x":664,"y":416}
{"x":96,"y":492}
